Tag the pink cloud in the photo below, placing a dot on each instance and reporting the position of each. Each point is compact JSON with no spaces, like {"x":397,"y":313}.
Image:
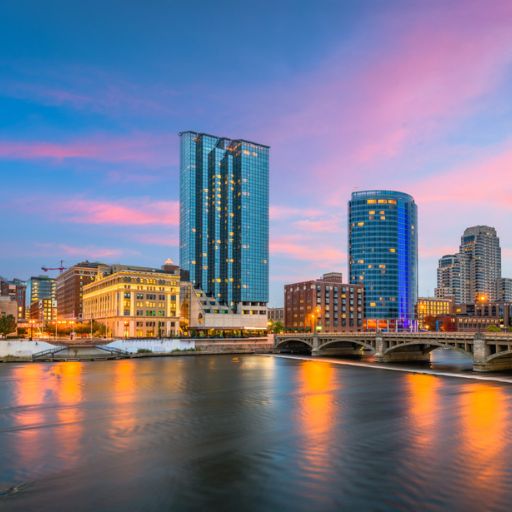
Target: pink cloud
{"x":304,"y":249}
{"x":83,"y":252}
{"x":136,"y":212}
{"x":135,"y":148}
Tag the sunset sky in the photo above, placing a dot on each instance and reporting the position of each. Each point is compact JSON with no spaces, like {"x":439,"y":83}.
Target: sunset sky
{"x":408,"y":95}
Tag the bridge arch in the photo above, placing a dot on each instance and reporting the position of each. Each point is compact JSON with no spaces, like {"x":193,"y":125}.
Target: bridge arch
{"x":500,"y":355}
{"x":427,"y":347}
{"x":294,"y":343}
{"x":334,"y":343}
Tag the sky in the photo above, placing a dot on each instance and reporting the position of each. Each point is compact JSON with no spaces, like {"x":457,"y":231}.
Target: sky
{"x":350,"y":95}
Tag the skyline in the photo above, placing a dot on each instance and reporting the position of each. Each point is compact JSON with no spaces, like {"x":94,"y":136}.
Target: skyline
{"x":354,"y":97}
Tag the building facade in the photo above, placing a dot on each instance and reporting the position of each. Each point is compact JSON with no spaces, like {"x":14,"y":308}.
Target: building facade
{"x":8,"y":307}
{"x":69,"y":289}
{"x":480,"y":255}
{"x":134,"y":302}
{"x":383,"y":254}
{"x":429,"y":308}
{"x":326,"y":304}
{"x":449,"y":278}
{"x":504,"y":289}
{"x":224,"y":219}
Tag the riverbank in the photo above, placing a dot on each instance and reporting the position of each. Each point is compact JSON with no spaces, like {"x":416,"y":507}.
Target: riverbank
{"x":404,"y":369}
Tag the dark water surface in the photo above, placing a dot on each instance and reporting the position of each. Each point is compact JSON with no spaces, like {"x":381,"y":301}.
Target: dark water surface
{"x":250,"y":433}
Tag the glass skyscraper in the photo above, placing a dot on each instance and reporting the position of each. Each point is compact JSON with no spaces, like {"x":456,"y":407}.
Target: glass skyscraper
{"x":383,"y":253}
{"x":224,"y":218}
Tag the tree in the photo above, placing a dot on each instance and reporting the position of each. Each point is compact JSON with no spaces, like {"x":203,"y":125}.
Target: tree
{"x":492,"y":328}
{"x":277,"y":327}
{"x":7,"y":325}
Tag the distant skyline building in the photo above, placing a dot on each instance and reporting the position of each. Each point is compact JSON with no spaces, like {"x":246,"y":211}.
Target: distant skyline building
{"x":383,"y":253}
{"x":480,"y":254}
{"x":449,"y":278}
{"x":16,"y":289}
{"x":69,"y":289}
{"x":224,"y":216}
{"x":504,"y":289}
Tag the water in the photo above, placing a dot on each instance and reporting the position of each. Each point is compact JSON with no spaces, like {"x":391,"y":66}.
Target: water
{"x":249,"y":433}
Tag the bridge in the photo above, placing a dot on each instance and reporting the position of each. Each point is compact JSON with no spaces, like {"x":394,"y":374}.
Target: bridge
{"x":489,"y":351}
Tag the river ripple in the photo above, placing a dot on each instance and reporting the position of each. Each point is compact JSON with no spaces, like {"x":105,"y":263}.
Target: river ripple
{"x":250,"y":433}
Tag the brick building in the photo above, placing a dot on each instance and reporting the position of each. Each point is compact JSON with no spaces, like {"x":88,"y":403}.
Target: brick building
{"x":326,"y":304}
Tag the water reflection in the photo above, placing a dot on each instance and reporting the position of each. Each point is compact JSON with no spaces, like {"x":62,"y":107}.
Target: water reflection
{"x":68,"y":389}
{"x":28,"y":397}
{"x":484,"y":423}
{"x":316,"y":414}
{"x":424,"y":409}
{"x":123,"y":401}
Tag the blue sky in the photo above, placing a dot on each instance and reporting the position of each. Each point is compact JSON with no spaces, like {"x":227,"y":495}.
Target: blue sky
{"x":413,"y":96}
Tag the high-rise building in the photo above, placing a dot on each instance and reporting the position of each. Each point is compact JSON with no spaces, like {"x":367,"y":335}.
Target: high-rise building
{"x":383,"y":254}
{"x":449,"y":278}
{"x":69,"y":289}
{"x":504,"y":289}
{"x":224,"y":219}
{"x":325,"y":304}
{"x":42,"y":287}
{"x":480,"y":255}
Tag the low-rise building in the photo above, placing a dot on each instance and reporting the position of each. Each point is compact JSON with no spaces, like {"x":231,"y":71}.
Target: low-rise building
{"x":43,"y":311}
{"x":69,"y":289}
{"x":135,"y":302}
{"x":276,"y":315}
{"x":428,"y":308}
{"x":204,"y":315}
{"x":325,"y":304}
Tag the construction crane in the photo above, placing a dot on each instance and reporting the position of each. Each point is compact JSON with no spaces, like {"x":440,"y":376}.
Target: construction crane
{"x":60,"y":268}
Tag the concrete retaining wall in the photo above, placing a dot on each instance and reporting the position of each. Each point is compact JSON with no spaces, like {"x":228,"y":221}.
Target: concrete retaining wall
{"x":22,"y":348}
{"x":156,"y":346}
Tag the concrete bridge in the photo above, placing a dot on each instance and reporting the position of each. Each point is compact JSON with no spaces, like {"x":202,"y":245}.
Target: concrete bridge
{"x":489,"y":351}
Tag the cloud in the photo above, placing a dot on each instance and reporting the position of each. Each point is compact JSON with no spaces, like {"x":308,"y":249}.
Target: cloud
{"x":83,"y":252}
{"x":137,"y":148}
{"x":137,"y":212}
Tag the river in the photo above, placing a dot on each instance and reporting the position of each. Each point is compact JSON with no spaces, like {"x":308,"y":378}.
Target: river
{"x":250,"y":433}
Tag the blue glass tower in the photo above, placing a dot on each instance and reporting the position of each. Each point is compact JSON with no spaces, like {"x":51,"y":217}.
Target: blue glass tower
{"x":383,"y":252}
{"x":224,"y":217}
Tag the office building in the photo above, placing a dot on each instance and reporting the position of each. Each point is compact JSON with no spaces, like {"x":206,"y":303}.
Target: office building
{"x":224,"y":220}
{"x":42,"y":287}
{"x":134,"y":302}
{"x":383,"y":255}
{"x":69,"y":289}
{"x":429,"y":308}
{"x":326,"y":304}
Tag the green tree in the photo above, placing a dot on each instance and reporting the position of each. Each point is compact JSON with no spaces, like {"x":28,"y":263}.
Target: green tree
{"x":492,"y":328}
{"x":277,"y":327}
{"x":7,"y":325}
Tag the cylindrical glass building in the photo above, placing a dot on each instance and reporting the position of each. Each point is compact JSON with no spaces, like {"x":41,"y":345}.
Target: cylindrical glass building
{"x":383,"y":255}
